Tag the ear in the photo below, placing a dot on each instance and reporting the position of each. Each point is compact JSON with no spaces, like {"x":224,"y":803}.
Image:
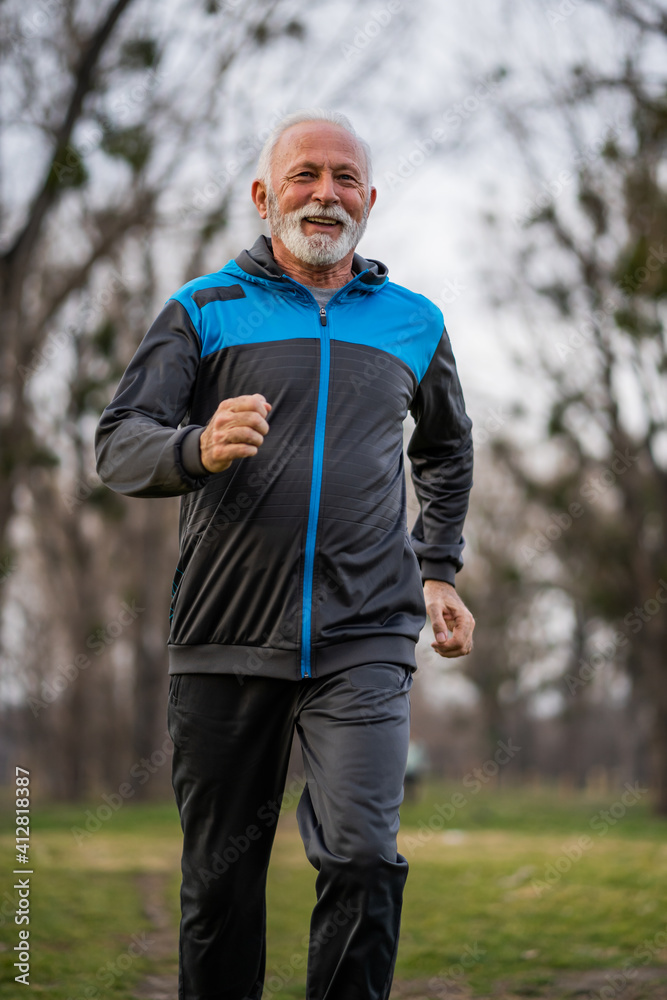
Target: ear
{"x":258,"y":193}
{"x":373,"y":196}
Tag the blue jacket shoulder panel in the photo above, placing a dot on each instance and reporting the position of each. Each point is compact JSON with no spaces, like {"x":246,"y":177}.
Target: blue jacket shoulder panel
{"x":395,"y":320}
{"x":194,"y":294}
{"x":230,"y":307}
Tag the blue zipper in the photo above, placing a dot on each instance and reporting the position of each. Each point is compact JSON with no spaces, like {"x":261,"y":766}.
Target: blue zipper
{"x":316,"y":481}
{"x":315,"y":492}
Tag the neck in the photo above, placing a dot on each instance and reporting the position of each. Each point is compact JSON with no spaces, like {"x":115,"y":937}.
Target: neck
{"x":322,"y":275}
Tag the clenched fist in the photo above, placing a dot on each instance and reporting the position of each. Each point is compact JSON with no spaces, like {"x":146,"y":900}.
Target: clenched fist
{"x":446,"y":610}
{"x":236,"y":430}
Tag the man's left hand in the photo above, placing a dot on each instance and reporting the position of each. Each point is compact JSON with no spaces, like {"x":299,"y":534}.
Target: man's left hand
{"x":447,"y":611}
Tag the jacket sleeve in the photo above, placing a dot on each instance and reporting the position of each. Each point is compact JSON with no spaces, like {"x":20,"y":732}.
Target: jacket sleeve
{"x":140,"y":449}
{"x":441,"y":455}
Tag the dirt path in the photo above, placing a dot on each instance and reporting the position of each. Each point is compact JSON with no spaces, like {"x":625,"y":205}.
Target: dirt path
{"x":163,"y":937}
{"x":418,"y":989}
{"x":597,"y":984}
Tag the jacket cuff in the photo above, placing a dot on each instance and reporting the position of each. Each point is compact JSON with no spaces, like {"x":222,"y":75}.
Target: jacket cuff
{"x":190,"y":454}
{"x":445,"y":571}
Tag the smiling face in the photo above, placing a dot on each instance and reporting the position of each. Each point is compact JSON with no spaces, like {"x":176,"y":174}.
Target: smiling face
{"x":319,"y":198}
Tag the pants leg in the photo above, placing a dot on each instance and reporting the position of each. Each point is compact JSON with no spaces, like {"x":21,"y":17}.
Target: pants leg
{"x":354,"y":729}
{"x":231,"y":750}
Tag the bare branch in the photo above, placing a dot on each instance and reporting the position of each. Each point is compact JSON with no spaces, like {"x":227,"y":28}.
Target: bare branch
{"x":49,"y":192}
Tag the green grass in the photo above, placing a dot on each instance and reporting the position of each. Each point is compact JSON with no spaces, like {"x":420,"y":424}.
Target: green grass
{"x":81,"y":925}
{"x":89,"y":937}
{"x":522,"y":810}
{"x":485,"y":902}
{"x":481,"y":895}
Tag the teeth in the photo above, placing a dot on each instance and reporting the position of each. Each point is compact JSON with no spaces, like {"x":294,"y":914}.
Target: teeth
{"x":325,"y":222}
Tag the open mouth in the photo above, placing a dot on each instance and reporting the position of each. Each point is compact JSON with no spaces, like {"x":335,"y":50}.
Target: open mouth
{"x":317,"y":220}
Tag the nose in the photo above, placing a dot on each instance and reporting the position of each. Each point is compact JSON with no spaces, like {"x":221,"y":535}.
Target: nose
{"x":325,"y":189}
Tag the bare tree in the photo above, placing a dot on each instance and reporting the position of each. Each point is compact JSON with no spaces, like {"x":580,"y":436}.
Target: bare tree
{"x":590,"y":270}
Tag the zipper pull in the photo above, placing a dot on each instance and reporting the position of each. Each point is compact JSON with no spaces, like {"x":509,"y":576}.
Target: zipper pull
{"x":323,"y":316}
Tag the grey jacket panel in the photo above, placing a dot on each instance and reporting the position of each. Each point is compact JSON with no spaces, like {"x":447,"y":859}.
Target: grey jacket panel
{"x":441,"y":457}
{"x":141,"y":450}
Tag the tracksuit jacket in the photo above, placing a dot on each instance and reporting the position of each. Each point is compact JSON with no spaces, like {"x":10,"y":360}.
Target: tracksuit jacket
{"x":297,"y":562}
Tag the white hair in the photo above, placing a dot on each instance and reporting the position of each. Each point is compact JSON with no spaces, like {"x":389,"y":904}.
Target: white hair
{"x":297,"y":118}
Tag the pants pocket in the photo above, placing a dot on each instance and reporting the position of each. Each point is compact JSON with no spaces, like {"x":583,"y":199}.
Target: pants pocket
{"x":174,"y":686}
{"x":384,"y":676}
{"x":174,"y":714}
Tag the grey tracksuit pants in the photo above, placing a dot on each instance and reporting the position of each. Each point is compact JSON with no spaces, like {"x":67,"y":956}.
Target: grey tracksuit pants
{"x":232,"y":744}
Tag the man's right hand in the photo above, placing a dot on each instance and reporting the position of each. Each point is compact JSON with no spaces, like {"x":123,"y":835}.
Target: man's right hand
{"x":236,"y":430}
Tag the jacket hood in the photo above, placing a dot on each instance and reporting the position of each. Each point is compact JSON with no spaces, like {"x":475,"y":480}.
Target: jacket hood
{"x":260,"y":262}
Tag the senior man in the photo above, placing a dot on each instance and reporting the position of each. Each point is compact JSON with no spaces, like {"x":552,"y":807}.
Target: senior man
{"x":271,"y":394}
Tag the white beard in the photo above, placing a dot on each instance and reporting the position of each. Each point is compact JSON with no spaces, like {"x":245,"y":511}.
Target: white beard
{"x":320,"y":248}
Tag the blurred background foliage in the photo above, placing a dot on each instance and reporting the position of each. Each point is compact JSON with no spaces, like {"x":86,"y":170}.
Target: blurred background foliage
{"x":127,"y":146}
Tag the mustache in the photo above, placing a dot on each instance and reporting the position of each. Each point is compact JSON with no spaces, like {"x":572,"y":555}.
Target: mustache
{"x":334,"y":212}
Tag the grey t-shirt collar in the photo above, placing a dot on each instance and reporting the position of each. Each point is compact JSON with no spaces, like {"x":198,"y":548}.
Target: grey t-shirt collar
{"x":322,"y":295}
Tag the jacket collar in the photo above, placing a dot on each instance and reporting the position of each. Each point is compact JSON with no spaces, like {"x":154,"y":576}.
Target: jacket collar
{"x":259,"y":262}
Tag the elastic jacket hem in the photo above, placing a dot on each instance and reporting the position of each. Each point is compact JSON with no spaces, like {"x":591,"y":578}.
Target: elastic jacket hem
{"x":247,"y":661}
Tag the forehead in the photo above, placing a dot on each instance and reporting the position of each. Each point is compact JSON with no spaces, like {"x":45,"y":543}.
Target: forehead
{"x":318,"y":143}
